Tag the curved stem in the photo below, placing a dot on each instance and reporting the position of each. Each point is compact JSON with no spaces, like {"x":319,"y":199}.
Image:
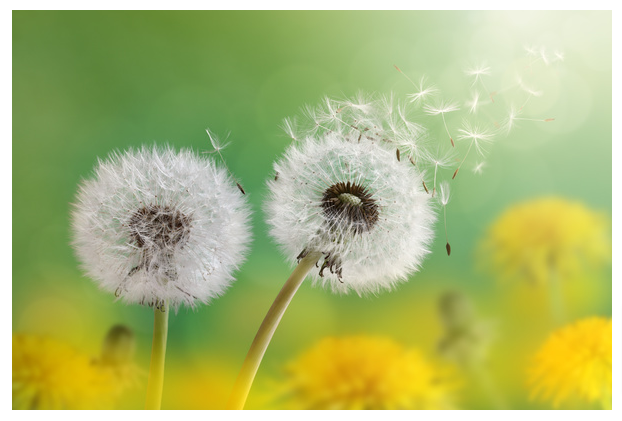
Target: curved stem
{"x":158,"y":352}
{"x":258,"y":348}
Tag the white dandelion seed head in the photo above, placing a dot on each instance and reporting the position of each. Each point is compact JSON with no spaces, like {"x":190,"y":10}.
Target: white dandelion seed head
{"x":355,"y":203}
{"x":155,"y":225}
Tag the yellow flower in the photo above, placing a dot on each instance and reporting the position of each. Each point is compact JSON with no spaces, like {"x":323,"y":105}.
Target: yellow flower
{"x":362,"y":372}
{"x":575,"y":362}
{"x":51,"y":374}
{"x":534,"y":239}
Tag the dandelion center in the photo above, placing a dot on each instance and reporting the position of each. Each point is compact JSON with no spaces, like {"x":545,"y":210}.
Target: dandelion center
{"x":352,"y":203}
{"x":159,"y":226}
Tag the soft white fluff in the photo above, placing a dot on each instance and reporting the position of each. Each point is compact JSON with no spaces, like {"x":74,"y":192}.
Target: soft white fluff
{"x":379,"y":258}
{"x":121,"y":217}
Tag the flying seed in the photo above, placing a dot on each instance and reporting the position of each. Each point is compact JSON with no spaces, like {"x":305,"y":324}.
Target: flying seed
{"x":240,"y":187}
{"x":448,"y":247}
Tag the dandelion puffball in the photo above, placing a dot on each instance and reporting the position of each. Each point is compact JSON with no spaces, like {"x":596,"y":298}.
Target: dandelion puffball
{"x":156,"y":225}
{"x":355,"y":203}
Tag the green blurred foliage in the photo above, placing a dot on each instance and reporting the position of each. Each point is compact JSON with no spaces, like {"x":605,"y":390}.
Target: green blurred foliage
{"x":89,"y":82}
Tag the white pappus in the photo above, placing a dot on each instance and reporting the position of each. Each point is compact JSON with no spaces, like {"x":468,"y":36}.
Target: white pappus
{"x":156,"y":225}
{"x":358,"y":205}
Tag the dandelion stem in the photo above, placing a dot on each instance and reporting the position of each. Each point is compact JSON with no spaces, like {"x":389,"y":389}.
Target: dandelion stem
{"x":258,"y":348}
{"x":158,"y":352}
{"x":463,"y":159}
{"x":556,"y":298}
{"x":447,"y":130}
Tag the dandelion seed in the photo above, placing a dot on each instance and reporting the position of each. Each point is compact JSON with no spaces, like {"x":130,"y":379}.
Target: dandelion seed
{"x":440,"y":160}
{"x":289,"y":126}
{"x":442,"y":109}
{"x":424,"y":91}
{"x":473,"y":104}
{"x":478,"y":168}
{"x":444,"y":199}
{"x":530,"y":91}
{"x":477,"y":72}
{"x":218,"y":146}
{"x":477,"y":136}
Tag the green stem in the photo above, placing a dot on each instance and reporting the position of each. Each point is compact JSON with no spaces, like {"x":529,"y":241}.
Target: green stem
{"x":556,"y":298}
{"x":258,"y":348}
{"x":158,"y":352}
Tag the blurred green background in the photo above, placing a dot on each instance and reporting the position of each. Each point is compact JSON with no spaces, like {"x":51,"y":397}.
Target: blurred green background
{"x":86,"y":83}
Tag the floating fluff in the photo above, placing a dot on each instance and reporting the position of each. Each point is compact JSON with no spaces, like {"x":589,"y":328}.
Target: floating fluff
{"x":358,"y":205}
{"x":156,"y":225}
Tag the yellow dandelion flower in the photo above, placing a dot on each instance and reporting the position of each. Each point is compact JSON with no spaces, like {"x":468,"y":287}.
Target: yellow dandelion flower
{"x":539,"y":238}
{"x":51,"y":374}
{"x":362,"y":372}
{"x":575,"y":362}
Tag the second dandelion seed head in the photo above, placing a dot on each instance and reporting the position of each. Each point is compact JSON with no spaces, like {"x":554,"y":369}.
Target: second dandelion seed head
{"x":354,"y":203}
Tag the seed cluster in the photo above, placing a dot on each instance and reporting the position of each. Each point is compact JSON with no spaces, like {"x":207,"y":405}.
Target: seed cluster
{"x":159,"y":226}
{"x":352,"y":203}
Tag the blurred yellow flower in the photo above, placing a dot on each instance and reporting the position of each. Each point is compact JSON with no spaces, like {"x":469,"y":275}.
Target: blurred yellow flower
{"x":51,"y":374}
{"x":547,"y":237}
{"x":575,"y":362}
{"x":364,"y":372}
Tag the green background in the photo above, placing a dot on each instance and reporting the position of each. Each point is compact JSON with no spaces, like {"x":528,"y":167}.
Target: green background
{"x":86,"y":83}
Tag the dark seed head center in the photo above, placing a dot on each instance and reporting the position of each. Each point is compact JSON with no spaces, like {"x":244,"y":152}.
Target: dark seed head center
{"x":352,"y":203}
{"x":159,"y":226}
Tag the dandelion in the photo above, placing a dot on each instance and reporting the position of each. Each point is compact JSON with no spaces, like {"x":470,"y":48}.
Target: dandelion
{"x":366,"y":372}
{"x":444,"y":200}
{"x":352,"y":202}
{"x":575,"y":363}
{"x":545,"y":240}
{"x":442,"y":108}
{"x":440,"y":160}
{"x":424,"y":91}
{"x":51,"y":374}
{"x":477,"y":72}
{"x":531,"y":92}
{"x":160,"y":228}
{"x":474,"y":103}
{"x":477,"y":136}
{"x":345,"y":201}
